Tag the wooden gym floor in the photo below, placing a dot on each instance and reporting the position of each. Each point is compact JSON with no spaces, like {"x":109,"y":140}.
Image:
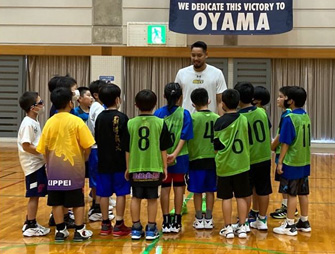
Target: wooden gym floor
{"x":321,"y":215}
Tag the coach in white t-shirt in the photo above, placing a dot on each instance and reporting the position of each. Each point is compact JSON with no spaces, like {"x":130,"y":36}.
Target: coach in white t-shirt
{"x":203,"y":75}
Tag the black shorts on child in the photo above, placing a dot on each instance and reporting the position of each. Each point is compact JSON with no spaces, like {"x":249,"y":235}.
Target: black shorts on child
{"x":235,"y":185}
{"x":260,"y":178}
{"x":145,"y":184}
{"x":66,"y":198}
{"x":36,"y":183}
{"x":294,"y":187}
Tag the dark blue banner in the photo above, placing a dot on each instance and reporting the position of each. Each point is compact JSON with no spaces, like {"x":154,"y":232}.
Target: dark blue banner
{"x":235,"y":17}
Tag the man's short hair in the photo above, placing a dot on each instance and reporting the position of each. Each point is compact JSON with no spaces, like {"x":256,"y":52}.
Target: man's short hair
{"x":199,"y":44}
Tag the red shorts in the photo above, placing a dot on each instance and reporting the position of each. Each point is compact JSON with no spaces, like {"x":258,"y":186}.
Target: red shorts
{"x":178,"y":180}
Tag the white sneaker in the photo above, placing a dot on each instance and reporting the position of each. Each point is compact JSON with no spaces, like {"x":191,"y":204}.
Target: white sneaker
{"x":198,"y":223}
{"x":208,"y":223}
{"x":166,"y":228}
{"x":240,"y":231}
{"x":82,"y":234}
{"x":246,"y":224}
{"x":38,"y":230}
{"x":286,"y":229}
{"x":227,"y":232}
{"x":61,"y":235}
{"x":260,"y":224}
{"x":112,"y":202}
{"x":93,"y":215}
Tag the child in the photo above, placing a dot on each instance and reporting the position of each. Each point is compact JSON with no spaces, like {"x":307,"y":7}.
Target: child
{"x":281,"y":212}
{"x":66,"y":143}
{"x":85,"y":101}
{"x":111,"y":135}
{"x":31,"y":161}
{"x":94,"y":214}
{"x":294,"y":161}
{"x":63,"y":81}
{"x":261,"y":97}
{"x":202,"y":173}
{"x":260,"y":151}
{"x":260,"y":100}
{"x":179,"y":123}
{"x":146,"y":162}
{"x":70,"y":83}
{"x":232,"y":163}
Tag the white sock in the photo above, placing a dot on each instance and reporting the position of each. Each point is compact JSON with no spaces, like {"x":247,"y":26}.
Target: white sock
{"x":290,"y":221}
{"x":284,"y":202}
{"x":304,"y":218}
{"x":262,"y":217}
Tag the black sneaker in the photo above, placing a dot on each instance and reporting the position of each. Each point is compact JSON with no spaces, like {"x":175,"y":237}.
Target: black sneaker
{"x":252,"y":216}
{"x":52,"y":220}
{"x":279,"y":213}
{"x":303,"y":226}
{"x":69,"y":222}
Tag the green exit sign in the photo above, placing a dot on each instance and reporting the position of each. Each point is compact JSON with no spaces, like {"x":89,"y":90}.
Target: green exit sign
{"x":156,"y":34}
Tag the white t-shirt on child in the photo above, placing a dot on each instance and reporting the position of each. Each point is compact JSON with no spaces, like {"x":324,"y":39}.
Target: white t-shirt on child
{"x":29,"y":132}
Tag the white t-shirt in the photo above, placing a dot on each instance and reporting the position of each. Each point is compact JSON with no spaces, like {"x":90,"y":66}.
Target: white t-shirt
{"x":211,"y":79}
{"x":95,"y":109}
{"x":29,"y":132}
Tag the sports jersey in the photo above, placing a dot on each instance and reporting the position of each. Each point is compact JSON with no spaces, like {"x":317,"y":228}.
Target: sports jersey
{"x":232,"y":144}
{"x":95,"y":109}
{"x":179,"y":123}
{"x":284,"y":113}
{"x":63,"y":140}
{"x":78,"y":111}
{"x":259,"y":134}
{"x":201,"y":148}
{"x":296,"y":133}
{"x":149,"y":136}
{"x":211,"y":78}
{"x":29,"y":132}
{"x":111,"y":136}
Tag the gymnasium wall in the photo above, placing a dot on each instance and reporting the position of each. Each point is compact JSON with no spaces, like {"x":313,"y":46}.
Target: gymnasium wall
{"x":105,"y":22}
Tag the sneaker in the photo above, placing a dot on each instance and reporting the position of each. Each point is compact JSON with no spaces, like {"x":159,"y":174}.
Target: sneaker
{"x":136,"y":234}
{"x":69,"y":222}
{"x":279,"y":213}
{"x":52,"y":220}
{"x":121,"y":230}
{"x":227,"y":232}
{"x":240,"y":231}
{"x":208,"y":223}
{"x":60,"y":235}
{"x":112,"y":202}
{"x":260,"y":224}
{"x":106,"y":229}
{"x":303,"y":226}
{"x":94,"y":214}
{"x":82,"y":234}
{"x":71,"y":214}
{"x":34,"y":230}
{"x":175,"y":228}
{"x":199,"y":223}
{"x":286,"y":229}
{"x":252,"y":216}
{"x":151,"y":234}
{"x":166,"y":228}
{"x":184,"y":208}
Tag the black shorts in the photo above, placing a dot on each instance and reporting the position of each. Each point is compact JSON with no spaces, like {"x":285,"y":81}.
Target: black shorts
{"x":294,"y":187}
{"x":141,"y":192}
{"x":68,"y":198}
{"x":260,"y":178}
{"x":236,"y":185}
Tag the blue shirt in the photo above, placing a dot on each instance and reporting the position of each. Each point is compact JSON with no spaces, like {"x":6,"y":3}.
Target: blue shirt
{"x":287,"y":136}
{"x":53,"y":111}
{"x":182,"y":164}
{"x":81,"y":113}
